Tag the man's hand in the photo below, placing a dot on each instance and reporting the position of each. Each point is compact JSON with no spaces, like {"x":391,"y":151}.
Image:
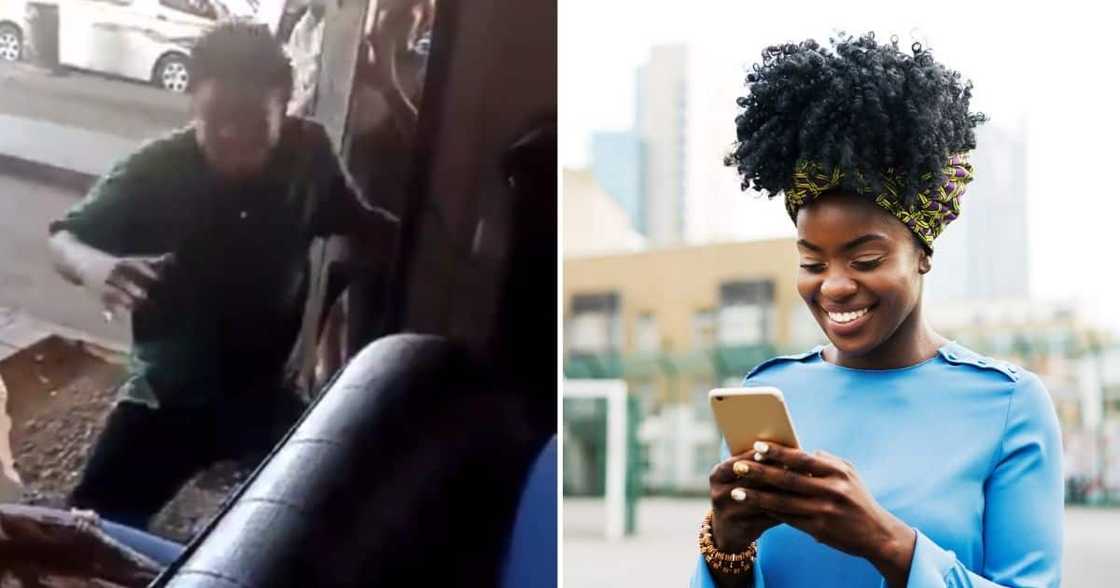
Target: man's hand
{"x":129,"y":281}
{"x":121,"y":283}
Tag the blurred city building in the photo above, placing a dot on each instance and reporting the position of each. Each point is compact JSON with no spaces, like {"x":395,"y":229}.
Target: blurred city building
{"x":595,"y":224}
{"x":618,"y":165}
{"x":644,"y":168}
{"x":983,"y":255}
{"x":661,"y":121}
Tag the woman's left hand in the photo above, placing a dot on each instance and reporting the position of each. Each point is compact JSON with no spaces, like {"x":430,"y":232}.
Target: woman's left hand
{"x":823,"y":496}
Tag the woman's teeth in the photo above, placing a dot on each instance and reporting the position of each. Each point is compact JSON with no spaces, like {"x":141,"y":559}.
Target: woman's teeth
{"x":847,"y":317}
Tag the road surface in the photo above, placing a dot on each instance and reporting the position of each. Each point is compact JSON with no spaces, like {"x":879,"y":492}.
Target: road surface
{"x":86,"y":101}
{"x":664,"y":551}
{"x":80,"y":122}
{"x":27,"y":281}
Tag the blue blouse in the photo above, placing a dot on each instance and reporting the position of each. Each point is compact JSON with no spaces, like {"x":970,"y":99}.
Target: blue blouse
{"x":963,"y":448}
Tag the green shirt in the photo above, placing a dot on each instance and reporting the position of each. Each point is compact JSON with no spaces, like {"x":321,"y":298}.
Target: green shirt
{"x":225,"y":315}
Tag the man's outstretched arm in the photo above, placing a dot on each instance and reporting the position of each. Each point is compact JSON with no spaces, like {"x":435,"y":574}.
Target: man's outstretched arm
{"x":120,"y":282}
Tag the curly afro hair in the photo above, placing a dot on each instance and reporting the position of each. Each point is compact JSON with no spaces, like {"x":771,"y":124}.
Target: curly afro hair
{"x":241,"y":52}
{"x":862,"y":107}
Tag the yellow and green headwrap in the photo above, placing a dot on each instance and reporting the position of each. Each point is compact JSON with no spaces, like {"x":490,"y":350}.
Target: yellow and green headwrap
{"x":932,"y":211}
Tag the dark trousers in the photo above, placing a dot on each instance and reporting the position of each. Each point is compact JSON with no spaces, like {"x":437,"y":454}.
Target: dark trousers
{"x":145,"y":455}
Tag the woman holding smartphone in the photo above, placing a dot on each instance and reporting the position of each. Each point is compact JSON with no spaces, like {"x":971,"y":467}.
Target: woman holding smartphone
{"x":923,"y":464}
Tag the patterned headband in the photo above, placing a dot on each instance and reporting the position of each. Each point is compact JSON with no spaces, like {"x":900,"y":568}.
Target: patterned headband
{"x":930,"y":215}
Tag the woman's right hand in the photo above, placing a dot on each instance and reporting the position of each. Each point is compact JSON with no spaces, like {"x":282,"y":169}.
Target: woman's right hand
{"x":735,"y":524}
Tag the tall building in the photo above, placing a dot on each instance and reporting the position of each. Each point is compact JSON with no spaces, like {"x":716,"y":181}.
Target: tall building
{"x":661,"y":123}
{"x":983,"y":254}
{"x":594,"y":223}
{"x":617,"y":164}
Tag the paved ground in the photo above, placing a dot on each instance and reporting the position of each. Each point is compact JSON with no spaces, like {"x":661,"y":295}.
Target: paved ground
{"x":27,"y":282}
{"x":80,"y":121}
{"x":663,"y":553}
{"x":90,"y":102}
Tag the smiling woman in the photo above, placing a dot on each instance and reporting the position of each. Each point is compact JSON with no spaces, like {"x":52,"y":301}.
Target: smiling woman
{"x":861,"y":279}
{"x":869,"y":145}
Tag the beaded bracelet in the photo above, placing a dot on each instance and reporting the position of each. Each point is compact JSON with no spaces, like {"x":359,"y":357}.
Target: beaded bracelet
{"x":731,"y":564}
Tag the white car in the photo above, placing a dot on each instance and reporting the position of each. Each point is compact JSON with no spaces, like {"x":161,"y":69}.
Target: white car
{"x":137,"y":39}
{"x":145,"y":40}
{"x":13,"y":27}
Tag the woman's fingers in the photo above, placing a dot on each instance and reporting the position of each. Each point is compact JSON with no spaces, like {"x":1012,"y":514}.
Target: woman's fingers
{"x":793,"y":458}
{"x":781,"y":504}
{"x":763,"y":476}
{"x":738,"y":467}
{"x":725,"y":472}
{"x":838,"y":463}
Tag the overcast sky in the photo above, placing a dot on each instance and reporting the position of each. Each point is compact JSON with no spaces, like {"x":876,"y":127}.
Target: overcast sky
{"x":1050,"y":71}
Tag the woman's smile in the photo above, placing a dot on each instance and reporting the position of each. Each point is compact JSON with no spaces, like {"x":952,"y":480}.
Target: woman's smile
{"x":845,"y":323}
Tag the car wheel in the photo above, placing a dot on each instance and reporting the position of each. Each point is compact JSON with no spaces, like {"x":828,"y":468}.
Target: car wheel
{"x":11,"y":43}
{"x":172,"y":73}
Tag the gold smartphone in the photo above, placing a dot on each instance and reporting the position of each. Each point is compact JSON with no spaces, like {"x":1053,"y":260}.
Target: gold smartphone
{"x":746,"y":415}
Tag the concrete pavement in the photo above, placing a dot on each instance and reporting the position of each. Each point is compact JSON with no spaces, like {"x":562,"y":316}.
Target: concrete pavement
{"x":27,"y":280}
{"x":80,"y":122}
{"x":75,"y":149}
{"x":664,"y":551}
{"x":89,"y":101}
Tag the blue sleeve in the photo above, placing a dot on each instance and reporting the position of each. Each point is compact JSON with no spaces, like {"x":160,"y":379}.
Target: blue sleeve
{"x":703,"y":577}
{"x":531,"y":560}
{"x":1024,"y":507}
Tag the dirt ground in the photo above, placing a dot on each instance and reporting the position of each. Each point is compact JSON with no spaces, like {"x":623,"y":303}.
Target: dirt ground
{"x":60,"y":392}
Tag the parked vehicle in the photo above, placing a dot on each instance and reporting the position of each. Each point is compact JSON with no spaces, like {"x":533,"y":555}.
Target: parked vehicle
{"x":13,"y":29}
{"x":143,"y":40}
{"x":146,"y":40}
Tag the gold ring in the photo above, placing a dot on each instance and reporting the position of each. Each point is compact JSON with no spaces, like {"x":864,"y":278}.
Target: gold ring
{"x":738,"y":494}
{"x":741,"y":468}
